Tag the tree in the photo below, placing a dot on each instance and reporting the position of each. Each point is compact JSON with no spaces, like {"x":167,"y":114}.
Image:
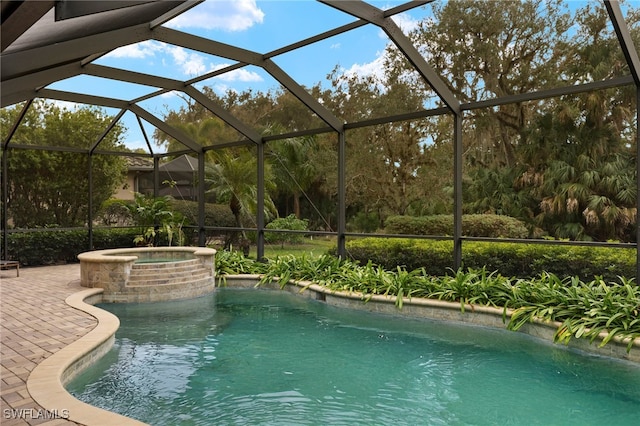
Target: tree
{"x":489,"y":49}
{"x":386,"y":163}
{"x":233,"y":178}
{"x":44,"y":186}
{"x":293,"y":171}
{"x":570,"y":168}
{"x":274,"y":112}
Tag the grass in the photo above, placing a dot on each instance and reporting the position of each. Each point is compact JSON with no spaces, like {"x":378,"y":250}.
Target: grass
{"x":313,"y":248}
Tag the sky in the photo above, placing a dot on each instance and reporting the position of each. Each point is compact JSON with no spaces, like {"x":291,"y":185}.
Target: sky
{"x":259,"y":26}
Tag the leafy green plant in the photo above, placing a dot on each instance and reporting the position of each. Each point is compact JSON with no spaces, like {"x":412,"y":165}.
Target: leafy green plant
{"x":155,"y":216}
{"x":230,"y":262}
{"x":290,"y":222}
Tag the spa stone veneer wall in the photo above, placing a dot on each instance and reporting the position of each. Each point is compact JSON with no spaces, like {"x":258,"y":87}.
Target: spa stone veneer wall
{"x":168,"y":273}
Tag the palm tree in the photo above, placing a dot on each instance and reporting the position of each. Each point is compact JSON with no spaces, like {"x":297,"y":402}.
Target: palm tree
{"x":232,"y":178}
{"x":292,"y":170}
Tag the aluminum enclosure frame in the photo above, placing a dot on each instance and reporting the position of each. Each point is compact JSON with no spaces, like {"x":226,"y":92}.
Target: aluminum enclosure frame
{"x":36,"y":53}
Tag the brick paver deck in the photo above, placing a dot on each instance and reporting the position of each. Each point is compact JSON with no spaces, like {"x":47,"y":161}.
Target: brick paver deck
{"x":35,"y":322}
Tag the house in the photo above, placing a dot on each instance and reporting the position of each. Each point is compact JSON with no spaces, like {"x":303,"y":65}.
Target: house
{"x":136,"y":167}
{"x":177,"y":178}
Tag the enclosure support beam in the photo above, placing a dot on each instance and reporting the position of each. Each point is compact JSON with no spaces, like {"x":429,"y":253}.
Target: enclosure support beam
{"x":15,"y":126}
{"x":72,"y":51}
{"x":624,"y":37}
{"x":260,"y":210}
{"x":156,"y":176}
{"x":305,"y":97}
{"x":17,"y":21}
{"x":457,"y":191}
{"x":5,"y":180}
{"x":637,"y":183}
{"x":107,"y":130}
{"x":144,"y":134}
{"x":377,"y":17}
{"x":5,"y":201}
{"x":162,"y":125}
{"x":342,"y":195}
{"x":223,"y":114}
{"x":90,"y":203}
{"x":201,"y":234}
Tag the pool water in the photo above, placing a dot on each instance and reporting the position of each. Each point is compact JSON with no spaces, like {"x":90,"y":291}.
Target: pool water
{"x":261,"y":357}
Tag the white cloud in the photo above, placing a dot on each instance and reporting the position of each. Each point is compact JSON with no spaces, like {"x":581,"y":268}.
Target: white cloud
{"x":170,"y":94}
{"x":406,"y":22}
{"x":374,"y":68}
{"x":191,"y":63}
{"x":140,"y":50}
{"x":236,"y":15}
{"x":240,"y":74}
{"x":335,"y":46}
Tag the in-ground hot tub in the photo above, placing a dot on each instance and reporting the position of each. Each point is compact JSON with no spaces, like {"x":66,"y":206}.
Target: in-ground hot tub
{"x":149,"y":274}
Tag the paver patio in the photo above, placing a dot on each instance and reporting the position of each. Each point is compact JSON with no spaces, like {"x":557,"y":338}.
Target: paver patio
{"x":35,"y":322}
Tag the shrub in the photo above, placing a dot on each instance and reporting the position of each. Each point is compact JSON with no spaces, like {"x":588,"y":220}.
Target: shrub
{"x":510,"y":259}
{"x":114,"y":212}
{"x":51,"y":246}
{"x":290,"y":222}
{"x":473,"y":225}
{"x":218,"y":215}
{"x":214,"y":214}
{"x":364,"y":222}
{"x":108,"y":238}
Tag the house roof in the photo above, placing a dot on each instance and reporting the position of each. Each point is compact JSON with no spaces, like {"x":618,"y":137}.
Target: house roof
{"x":184,"y":163}
{"x":138,"y":164}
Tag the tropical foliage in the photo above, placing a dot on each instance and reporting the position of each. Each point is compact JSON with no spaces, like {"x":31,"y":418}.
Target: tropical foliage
{"x":154,"y":216}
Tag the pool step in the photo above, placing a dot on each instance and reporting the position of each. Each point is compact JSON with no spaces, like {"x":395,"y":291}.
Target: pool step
{"x":176,"y":264}
{"x":156,"y":274}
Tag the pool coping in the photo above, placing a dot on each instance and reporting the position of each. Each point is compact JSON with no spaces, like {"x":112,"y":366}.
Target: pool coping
{"x":46,"y":381}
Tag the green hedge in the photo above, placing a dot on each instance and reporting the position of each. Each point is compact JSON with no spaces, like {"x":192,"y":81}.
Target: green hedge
{"x":510,"y":259}
{"x":50,"y":247}
{"x":473,"y":225}
{"x":214,"y":214}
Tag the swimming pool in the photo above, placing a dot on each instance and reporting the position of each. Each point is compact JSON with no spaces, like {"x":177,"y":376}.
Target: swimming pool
{"x":262,"y":357}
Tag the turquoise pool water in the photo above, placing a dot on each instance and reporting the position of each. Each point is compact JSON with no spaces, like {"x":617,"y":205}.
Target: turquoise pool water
{"x":243,"y":357}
